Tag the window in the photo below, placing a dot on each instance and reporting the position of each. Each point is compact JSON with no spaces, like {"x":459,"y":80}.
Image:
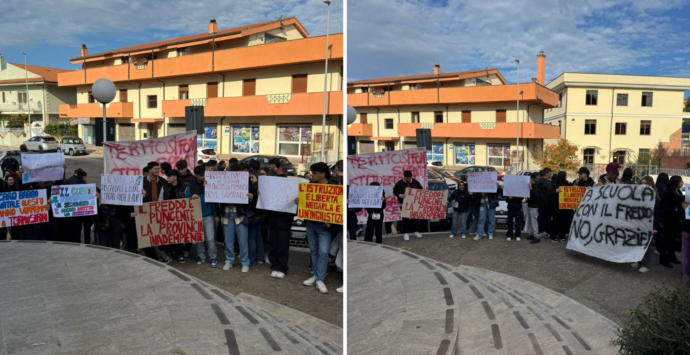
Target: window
{"x":329,"y":141}
{"x":646,"y":99}
{"x":466,"y":116}
{"x":152,"y":101}
{"x":245,"y":139}
{"x":500,"y":116}
{"x":123,"y":95}
{"x":299,"y":83}
{"x":91,"y":99}
{"x":292,"y":140}
{"x":622,"y":100}
{"x":621,"y":128}
{"x":436,"y":152}
{"x":438,"y":116}
{"x":389,"y":123}
{"x":591,"y":97}
{"x":363,"y":118}
{"x":464,"y":154}
{"x":181,"y":52}
{"x":413,"y":87}
{"x":415,"y":117}
{"x":590,"y":126}
{"x":184,"y":92}
{"x":22,"y":97}
{"x":560,"y":99}
{"x":498,"y":154}
{"x":560,"y":131}
{"x":212,"y":90}
{"x":273,"y":39}
{"x":210,"y":137}
{"x":480,"y":82}
{"x":249,"y":87}
{"x":589,"y":156}
{"x":619,"y":157}
{"x":645,"y":128}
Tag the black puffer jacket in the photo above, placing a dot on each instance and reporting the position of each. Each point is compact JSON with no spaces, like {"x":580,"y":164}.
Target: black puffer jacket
{"x":177,"y":191}
{"x":461,"y":199}
{"x":584,"y":183}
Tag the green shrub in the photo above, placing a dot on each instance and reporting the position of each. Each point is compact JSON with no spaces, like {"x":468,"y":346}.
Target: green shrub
{"x":18,"y":120}
{"x":660,"y":325}
{"x":61,"y":130}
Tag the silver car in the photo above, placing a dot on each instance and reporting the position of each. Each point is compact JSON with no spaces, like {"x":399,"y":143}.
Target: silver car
{"x":72,"y":146}
{"x":42,"y":144}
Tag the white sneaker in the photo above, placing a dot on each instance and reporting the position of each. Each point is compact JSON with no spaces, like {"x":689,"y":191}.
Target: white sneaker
{"x":310,"y":281}
{"x":245,"y":268}
{"x":477,"y":238}
{"x":273,"y":273}
{"x":228,"y":265}
{"x":464,"y":236}
{"x":321,"y":287}
{"x":508,"y":239}
{"x":339,"y":289}
{"x":406,"y":236}
{"x":643,"y":270}
{"x":267,"y":261}
{"x":451,"y":236}
{"x":484,"y":235}
{"x":517,"y":239}
{"x":416,"y":234}
{"x":491,"y":237}
{"x":279,"y":275}
{"x":635,"y":265}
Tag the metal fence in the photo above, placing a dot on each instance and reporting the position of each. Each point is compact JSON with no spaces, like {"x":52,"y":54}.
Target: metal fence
{"x":639,"y":171}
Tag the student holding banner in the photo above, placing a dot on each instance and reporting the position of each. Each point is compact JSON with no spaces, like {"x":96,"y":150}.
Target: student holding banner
{"x":173,"y":190}
{"x":409,"y":225}
{"x":487,"y":213}
{"x":108,"y":225}
{"x":461,"y":206}
{"x":562,"y":218}
{"x":255,"y":240}
{"x":374,"y":219}
{"x":197,"y":190}
{"x":644,"y":264}
{"x":235,"y":225}
{"x":515,"y":217}
{"x":533,"y":209}
{"x":673,"y":212}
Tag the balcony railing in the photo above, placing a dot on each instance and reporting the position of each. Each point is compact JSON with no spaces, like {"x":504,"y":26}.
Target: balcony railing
{"x":113,"y":110}
{"x":278,"y":98}
{"x":529,"y":130}
{"x":197,"y":102}
{"x":21,"y":107}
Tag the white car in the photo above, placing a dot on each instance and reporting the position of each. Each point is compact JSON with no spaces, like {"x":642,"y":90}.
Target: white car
{"x":42,"y":144}
{"x":206,"y":154}
{"x":430,"y":164}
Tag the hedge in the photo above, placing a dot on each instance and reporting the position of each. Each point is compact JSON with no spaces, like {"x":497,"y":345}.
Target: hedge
{"x":61,"y":130}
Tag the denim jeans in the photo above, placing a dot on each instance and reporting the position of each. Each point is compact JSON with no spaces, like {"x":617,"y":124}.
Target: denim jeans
{"x":319,"y":242}
{"x":463,"y":223}
{"x":242,"y":232}
{"x":475,"y":219}
{"x":486,"y":213}
{"x":209,"y":239}
{"x":255,"y":242}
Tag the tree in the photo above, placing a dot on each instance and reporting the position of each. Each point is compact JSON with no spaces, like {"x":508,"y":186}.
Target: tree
{"x":61,"y":130}
{"x":687,"y":105}
{"x":559,"y":156}
{"x":18,"y":120}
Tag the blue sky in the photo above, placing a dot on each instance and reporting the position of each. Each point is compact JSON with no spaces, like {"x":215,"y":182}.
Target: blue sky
{"x":405,"y":37}
{"x":51,"y":35}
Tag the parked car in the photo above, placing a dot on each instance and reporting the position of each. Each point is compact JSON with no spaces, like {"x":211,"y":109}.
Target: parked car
{"x":298,"y":231}
{"x":42,"y":144}
{"x":433,"y":174}
{"x":287,"y":166}
{"x":527,"y":172}
{"x":447,"y":174}
{"x":72,"y":146}
{"x":206,"y":154}
{"x":462,"y":174}
{"x":430,"y":164}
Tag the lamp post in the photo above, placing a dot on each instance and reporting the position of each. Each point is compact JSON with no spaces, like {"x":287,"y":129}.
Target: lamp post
{"x":325,"y":85}
{"x":517,"y":121}
{"x":103,"y":91}
{"x":28,"y":106}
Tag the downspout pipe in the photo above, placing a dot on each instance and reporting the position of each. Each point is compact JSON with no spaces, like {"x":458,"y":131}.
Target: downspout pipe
{"x":378,"y":128}
{"x":447,"y":117}
{"x":221,"y":135}
{"x":139,"y":91}
{"x":613,"y":94}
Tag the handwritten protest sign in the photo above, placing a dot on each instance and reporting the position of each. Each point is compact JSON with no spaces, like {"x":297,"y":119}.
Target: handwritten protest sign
{"x":227,"y":186}
{"x":365,"y":196}
{"x":74,"y":200}
{"x":43,"y":167}
{"x":122,"y":190}
{"x":614,"y":222}
{"x":516,"y":186}
{"x":169,"y":222}
{"x":321,"y":203}
{"x":19,"y":208}
{"x":482,"y":181}
{"x":278,"y":194}
{"x":570,"y":196}
{"x":387,"y":168}
{"x":127,"y":158}
{"x":425,"y":204}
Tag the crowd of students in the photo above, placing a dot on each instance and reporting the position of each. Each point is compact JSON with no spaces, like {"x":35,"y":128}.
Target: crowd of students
{"x":254,"y":236}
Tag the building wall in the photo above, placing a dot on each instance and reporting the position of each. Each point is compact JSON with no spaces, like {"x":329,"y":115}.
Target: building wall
{"x":13,"y":72}
{"x":57,"y":96}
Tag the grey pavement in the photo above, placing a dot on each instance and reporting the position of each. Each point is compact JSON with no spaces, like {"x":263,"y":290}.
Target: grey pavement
{"x":64,"y":298}
{"x":402,"y":302}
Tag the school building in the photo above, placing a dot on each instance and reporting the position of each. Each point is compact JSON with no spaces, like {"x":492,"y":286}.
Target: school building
{"x":473,"y":116}
{"x":261,"y":87}
{"x":619,"y":117}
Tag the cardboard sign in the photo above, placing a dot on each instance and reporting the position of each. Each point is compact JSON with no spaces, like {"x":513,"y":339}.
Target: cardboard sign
{"x":127,"y":158}
{"x":169,"y":222}
{"x":387,"y":168}
{"x":570,"y":196}
{"x":278,"y":194}
{"x":74,"y":200}
{"x":19,"y":208}
{"x":43,"y":167}
{"x":227,"y":187}
{"x":321,"y":203}
{"x":365,"y":197}
{"x":482,"y":181}
{"x":516,"y":186}
{"x":122,"y":190}
{"x":614,"y":222}
{"x":425,"y":204}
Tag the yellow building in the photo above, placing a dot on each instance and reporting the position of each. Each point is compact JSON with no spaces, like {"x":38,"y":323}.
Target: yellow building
{"x":261,"y":85}
{"x":618,"y":117}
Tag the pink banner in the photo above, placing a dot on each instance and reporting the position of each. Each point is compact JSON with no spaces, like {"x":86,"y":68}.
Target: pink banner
{"x":128,"y":158}
{"x":387,"y":168}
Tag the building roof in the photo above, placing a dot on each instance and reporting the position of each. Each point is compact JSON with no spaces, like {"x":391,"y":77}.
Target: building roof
{"x":399,"y":79}
{"x":46,"y":74}
{"x":237,"y":30}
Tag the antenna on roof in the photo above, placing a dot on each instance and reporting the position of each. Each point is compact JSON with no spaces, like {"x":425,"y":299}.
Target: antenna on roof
{"x":281,"y":22}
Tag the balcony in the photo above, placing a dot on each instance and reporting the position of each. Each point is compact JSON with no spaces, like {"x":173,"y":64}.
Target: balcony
{"x":301,"y":104}
{"x":21,"y":107}
{"x":113,"y":110}
{"x":263,"y":56}
{"x":360,"y":130}
{"x":482,"y":130}
{"x":530,"y":92}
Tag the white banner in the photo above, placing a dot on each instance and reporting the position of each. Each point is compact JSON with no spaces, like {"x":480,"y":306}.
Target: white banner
{"x":516,"y":186}
{"x":614,"y":222}
{"x":227,"y":187}
{"x":43,"y":167}
{"x":482,"y":181}
{"x":122,"y":190}
{"x":365,"y":197}
{"x":74,"y":200}
{"x":128,"y":158}
{"x":387,"y":168}
{"x":278,"y":194}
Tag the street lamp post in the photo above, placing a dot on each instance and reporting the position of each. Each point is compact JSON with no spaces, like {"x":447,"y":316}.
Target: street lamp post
{"x":28,"y":106}
{"x":325,"y":86}
{"x":517,"y":121}
{"x":103,"y":91}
